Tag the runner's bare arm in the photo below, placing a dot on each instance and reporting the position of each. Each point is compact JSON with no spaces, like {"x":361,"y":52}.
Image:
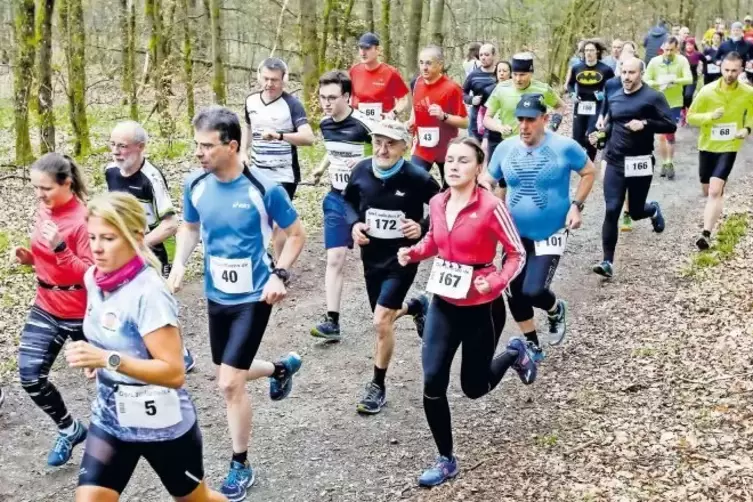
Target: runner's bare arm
{"x":296,"y":238}
{"x":304,"y":136}
{"x":586,"y":183}
{"x":188,"y":237}
{"x":166,"y":228}
{"x":323,"y":165}
{"x":456,"y":121}
{"x":402,"y":104}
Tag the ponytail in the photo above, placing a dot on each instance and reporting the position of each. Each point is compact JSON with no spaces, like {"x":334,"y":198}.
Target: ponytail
{"x":61,"y":168}
{"x":78,"y":186}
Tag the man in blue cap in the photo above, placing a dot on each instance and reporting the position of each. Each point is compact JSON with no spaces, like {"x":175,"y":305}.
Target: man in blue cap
{"x":533,"y":171}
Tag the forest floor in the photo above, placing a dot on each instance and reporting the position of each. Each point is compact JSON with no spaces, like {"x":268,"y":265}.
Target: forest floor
{"x":650,"y":398}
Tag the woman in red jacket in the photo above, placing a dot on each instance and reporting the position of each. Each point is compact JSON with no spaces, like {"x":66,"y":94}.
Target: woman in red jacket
{"x":60,"y":256}
{"x":467,"y":223}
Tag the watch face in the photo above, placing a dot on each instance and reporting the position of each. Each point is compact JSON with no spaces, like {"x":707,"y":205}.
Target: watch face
{"x":113,"y":361}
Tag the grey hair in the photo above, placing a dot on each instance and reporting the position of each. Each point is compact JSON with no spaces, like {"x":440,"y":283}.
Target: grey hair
{"x":438,"y":52}
{"x":275,"y":64}
{"x":139,"y":133}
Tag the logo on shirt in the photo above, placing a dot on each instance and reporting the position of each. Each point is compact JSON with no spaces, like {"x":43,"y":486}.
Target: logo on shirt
{"x":110,"y":321}
{"x":474,"y":215}
{"x":399,"y":193}
{"x":241,"y":205}
{"x":589,"y":77}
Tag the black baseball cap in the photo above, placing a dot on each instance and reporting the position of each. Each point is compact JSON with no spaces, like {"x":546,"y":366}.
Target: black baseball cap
{"x":368,"y":40}
{"x":530,"y":106}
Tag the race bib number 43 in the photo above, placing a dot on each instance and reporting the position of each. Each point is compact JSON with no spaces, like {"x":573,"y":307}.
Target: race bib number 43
{"x":449,"y":279}
{"x":428,"y":136}
{"x":723,"y":132}
{"x":552,"y":246}
{"x":384,"y":224}
{"x":147,"y":407}
{"x":231,"y":275}
{"x":640,"y":165}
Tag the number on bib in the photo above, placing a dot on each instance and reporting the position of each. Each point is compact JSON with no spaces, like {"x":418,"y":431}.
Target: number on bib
{"x":587,"y":108}
{"x":713,"y":69}
{"x":428,"y":136}
{"x":638,"y":166}
{"x":554,"y":245}
{"x":339,"y":175}
{"x":231,"y":275}
{"x":371,"y":110}
{"x":448,"y":279}
{"x":384,"y":224}
{"x":147,"y":407}
{"x":723,"y":132}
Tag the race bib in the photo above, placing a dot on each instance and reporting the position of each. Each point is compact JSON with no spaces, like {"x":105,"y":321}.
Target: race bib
{"x":553,"y":246}
{"x":147,"y":407}
{"x":449,"y":279}
{"x":723,"y":132}
{"x":231,"y":275}
{"x":371,"y":110}
{"x":665,"y":79}
{"x":339,"y":175}
{"x":428,"y":136}
{"x":713,"y":69}
{"x":384,"y":224}
{"x":587,"y":108}
{"x":640,"y":165}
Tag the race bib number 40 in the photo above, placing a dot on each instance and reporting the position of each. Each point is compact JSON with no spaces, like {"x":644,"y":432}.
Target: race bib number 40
{"x":640,"y":165}
{"x":449,"y":279}
{"x":587,"y":108}
{"x":552,"y":246}
{"x":147,"y":407}
{"x":384,"y":224}
{"x":231,"y":275}
{"x":428,"y":136}
{"x":723,"y":132}
{"x":371,"y":110}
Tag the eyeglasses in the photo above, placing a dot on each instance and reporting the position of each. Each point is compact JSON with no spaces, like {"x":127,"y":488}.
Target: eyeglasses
{"x":329,"y":99}
{"x":205,"y":147}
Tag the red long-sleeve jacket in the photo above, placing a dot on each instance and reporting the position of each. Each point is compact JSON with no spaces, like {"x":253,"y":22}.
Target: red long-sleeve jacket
{"x":472,"y":240}
{"x":66,"y":268}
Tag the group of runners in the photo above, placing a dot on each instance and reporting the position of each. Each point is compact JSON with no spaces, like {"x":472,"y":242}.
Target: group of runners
{"x":106,"y":271}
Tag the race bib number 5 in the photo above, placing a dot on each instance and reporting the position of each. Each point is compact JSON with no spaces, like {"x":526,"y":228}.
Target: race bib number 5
{"x":723,"y":132}
{"x":554,"y":245}
{"x":449,"y":279}
{"x":147,"y":407}
{"x":384,"y":224}
{"x":640,"y":165}
{"x":231,"y":275}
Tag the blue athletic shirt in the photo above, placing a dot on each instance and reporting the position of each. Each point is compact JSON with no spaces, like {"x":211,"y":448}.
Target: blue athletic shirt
{"x":236,"y":227}
{"x":537,"y":181}
{"x":118,"y":323}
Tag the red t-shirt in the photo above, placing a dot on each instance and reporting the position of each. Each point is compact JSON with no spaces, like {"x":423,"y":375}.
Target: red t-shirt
{"x":382,"y":85}
{"x":66,"y":268}
{"x":432,"y":134}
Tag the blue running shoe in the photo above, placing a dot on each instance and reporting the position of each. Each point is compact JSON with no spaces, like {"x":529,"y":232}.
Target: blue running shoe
{"x":558,"y":324}
{"x":238,"y":481}
{"x":604,"y":269}
{"x":188,"y":361}
{"x":524,"y":364}
{"x":279,"y":388}
{"x":444,"y":469}
{"x":64,"y":444}
{"x":327,"y":329}
{"x":537,"y":353}
{"x":657,"y":220}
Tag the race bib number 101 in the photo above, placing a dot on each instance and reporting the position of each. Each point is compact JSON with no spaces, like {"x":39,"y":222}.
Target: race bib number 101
{"x":552,"y":246}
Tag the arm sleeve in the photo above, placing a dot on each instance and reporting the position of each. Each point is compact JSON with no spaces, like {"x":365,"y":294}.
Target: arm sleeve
{"x":686,"y":77}
{"x":398,"y":87}
{"x":245,"y":112}
{"x":77,"y":256}
{"x":495,"y":164}
{"x":457,"y":106}
{"x":162,"y":196}
{"x":297,"y":113}
{"x":650,"y":76}
{"x":551,"y":99}
{"x":576,"y":156}
{"x":492,"y":104}
{"x":426,"y":248}
{"x":571,"y":80}
{"x":467,"y":97}
{"x":697,"y":115}
{"x":157,"y":309}
{"x":661,"y":122}
{"x":431,"y":188}
{"x":279,"y":207}
{"x":514,"y":253}
{"x":352,"y":198}
{"x":190,"y":214}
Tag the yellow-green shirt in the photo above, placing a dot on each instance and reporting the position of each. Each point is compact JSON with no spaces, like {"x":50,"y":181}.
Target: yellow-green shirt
{"x":718,"y":135}
{"x":505,"y":97}
{"x":658,"y":71}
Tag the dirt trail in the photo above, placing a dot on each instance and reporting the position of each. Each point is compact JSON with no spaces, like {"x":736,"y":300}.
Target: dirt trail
{"x":313,"y":446}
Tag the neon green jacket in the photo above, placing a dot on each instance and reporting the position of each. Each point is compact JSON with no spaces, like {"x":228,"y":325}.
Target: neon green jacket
{"x":505,"y":97}
{"x":737,"y":102}
{"x":658,"y":71}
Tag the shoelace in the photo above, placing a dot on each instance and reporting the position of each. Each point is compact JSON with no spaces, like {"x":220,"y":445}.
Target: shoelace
{"x":62,"y":444}
{"x":373,"y":392}
{"x":233,"y":477}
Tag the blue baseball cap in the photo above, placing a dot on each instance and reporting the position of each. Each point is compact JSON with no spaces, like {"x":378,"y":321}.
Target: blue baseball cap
{"x":368,"y":40}
{"x":530,"y":106}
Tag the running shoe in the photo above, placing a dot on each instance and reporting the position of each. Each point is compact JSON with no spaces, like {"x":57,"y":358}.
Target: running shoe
{"x":558,"y":324}
{"x":443,"y":470}
{"x":663,"y":172}
{"x":2,"y":396}
{"x":702,"y":243}
{"x":627,"y":223}
{"x":657,"y":220}
{"x":63,"y":449}
{"x":537,"y":353}
{"x":374,"y":400}
{"x":240,"y":478}
{"x":420,"y":305}
{"x":524,"y":364}
{"x":670,"y":171}
{"x":279,"y":388}
{"x":327,"y":329}
{"x":188,"y":361}
{"x":604,"y":269}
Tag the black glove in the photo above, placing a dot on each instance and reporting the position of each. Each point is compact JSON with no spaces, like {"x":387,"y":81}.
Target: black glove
{"x":555,"y":121}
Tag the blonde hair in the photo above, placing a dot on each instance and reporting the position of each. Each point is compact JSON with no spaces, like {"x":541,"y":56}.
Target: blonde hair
{"x":124,"y":213}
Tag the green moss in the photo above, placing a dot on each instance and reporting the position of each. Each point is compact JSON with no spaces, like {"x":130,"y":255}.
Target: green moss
{"x":731,"y":231}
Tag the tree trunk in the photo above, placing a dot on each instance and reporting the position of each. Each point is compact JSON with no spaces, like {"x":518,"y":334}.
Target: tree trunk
{"x":308,"y":45}
{"x":187,"y":59}
{"x":437,"y":15}
{"x":343,"y":35}
{"x":370,"y":16}
{"x":218,"y":82}
{"x":44,"y":37}
{"x":322,"y":63}
{"x":130,"y":61}
{"x":72,"y":26}
{"x":153,"y":16}
{"x":385,"y":31}
{"x":23,"y":66}
{"x":414,"y":36}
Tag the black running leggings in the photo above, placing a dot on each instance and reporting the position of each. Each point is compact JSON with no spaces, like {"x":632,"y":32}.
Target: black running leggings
{"x":531,"y":287}
{"x":583,"y":125}
{"x":42,"y":338}
{"x":478,"y":328}
{"x":616,"y":185}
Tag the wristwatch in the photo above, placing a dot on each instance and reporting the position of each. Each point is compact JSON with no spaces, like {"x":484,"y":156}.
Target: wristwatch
{"x":283,"y":274}
{"x":60,"y":247}
{"x":280,"y":136}
{"x":445,"y":116}
{"x":113,"y":361}
{"x":580,"y":205}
